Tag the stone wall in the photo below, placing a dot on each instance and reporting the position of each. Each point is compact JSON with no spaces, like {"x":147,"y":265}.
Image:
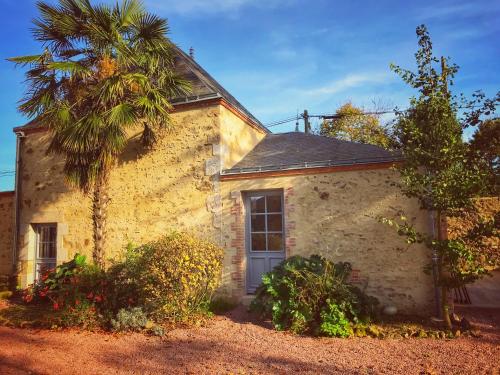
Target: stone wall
{"x":334,"y":215}
{"x":7,"y":210}
{"x":237,"y":138}
{"x":173,"y":187}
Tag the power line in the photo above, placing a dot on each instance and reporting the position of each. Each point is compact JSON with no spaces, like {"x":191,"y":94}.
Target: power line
{"x":323,"y":116}
{"x":331,"y":116}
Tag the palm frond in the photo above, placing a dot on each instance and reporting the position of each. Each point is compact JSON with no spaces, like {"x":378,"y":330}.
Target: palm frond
{"x":128,"y":11}
{"x":122,"y":114}
{"x":26,"y":60}
{"x":103,"y":70}
{"x":72,"y":67}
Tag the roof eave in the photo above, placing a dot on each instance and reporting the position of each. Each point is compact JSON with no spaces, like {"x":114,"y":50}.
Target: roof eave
{"x":181,"y":103}
{"x":294,"y":170}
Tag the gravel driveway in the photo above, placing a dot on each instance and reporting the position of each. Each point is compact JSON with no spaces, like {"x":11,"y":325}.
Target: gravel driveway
{"x":233,"y":344}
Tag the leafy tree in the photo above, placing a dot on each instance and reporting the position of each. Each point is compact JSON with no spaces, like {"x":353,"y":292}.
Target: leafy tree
{"x":485,"y":149}
{"x":437,"y":169}
{"x":104,"y":70}
{"x":350,"y":123}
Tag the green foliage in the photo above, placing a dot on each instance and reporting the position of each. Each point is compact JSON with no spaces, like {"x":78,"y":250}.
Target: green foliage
{"x":439,"y":168}
{"x":103,"y":71}
{"x":334,"y":321}
{"x":75,"y":289}
{"x":312,"y":295}
{"x":463,"y":259}
{"x":131,"y":319}
{"x":173,"y":278}
{"x":351,"y":124}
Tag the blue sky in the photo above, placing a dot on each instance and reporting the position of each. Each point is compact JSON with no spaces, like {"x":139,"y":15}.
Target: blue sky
{"x":282,"y":56}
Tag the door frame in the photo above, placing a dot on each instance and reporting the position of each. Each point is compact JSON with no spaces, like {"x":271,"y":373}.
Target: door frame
{"x":246,"y":204}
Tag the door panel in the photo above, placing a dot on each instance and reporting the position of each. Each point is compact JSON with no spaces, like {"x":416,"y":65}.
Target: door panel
{"x":257,"y":267}
{"x":264,"y":234}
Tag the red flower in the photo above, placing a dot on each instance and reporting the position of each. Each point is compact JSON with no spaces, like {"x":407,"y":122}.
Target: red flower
{"x":98,"y":298}
{"x":77,"y":302}
{"x":55,"y":306}
{"x":90,"y":295}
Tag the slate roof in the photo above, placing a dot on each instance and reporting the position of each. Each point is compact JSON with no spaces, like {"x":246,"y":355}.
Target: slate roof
{"x":297,"y":150}
{"x":204,"y":87}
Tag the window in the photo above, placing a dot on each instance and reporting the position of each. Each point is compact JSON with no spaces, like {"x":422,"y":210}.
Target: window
{"x":46,"y":248}
{"x":266,"y":222}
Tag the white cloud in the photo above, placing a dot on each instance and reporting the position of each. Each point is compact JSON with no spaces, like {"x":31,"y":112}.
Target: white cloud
{"x":454,"y":9}
{"x":194,"y":7}
{"x":348,"y":82}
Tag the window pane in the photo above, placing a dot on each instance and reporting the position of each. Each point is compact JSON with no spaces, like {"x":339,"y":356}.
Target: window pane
{"x":274,"y":203}
{"x":274,"y":223}
{"x":258,"y":204}
{"x":46,"y":241}
{"x":275,"y":242}
{"x":52,"y":234}
{"x":51,"y":250}
{"x":258,"y":223}
{"x":258,"y":242}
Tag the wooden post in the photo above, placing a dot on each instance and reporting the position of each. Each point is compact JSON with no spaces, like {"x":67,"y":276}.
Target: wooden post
{"x":307,"y":126}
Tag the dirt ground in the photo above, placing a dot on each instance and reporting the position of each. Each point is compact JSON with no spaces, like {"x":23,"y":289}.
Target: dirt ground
{"x":235,"y":344}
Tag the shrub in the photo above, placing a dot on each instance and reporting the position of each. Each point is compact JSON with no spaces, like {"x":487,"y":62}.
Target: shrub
{"x":173,"y":279}
{"x":312,"y":295}
{"x":74,"y":289}
{"x":133,"y":319}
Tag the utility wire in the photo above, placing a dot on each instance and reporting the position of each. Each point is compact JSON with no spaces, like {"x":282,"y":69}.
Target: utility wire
{"x":335,"y":116}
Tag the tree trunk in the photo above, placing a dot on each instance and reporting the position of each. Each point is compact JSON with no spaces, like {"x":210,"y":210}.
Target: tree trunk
{"x":444,"y":288}
{"x":99,"y":214}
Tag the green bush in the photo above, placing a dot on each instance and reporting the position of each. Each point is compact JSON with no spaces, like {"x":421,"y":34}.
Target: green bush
{"x":74,"y":289}
{"x":133,"y":319}
{"x":172,"y":279}
{"x":312,"y":295}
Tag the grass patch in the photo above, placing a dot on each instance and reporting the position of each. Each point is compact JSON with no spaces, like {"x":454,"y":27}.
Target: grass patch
{"x":17,"y":314}
{"x":407,"y":326}
{"x":6,"y":294}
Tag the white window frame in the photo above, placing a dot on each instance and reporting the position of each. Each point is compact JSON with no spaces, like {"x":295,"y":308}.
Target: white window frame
{"x":44,"y":262}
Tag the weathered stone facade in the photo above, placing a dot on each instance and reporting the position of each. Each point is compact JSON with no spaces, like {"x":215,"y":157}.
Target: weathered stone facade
{"x":6,"y":231}
{"x":173,"y":187}
{"x":177,"y":186}
{"x":334,"y":215}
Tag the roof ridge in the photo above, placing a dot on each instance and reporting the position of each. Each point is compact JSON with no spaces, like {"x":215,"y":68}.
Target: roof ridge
{"x":214,"y":85}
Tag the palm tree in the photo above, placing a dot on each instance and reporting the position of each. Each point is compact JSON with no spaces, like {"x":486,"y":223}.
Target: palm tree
{"x":103,"y":71}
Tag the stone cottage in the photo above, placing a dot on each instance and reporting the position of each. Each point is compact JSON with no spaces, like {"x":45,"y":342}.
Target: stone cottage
{"x":221,"y":175}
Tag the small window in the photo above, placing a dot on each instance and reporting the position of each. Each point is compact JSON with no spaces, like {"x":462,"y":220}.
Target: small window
{"x":46,"y":248}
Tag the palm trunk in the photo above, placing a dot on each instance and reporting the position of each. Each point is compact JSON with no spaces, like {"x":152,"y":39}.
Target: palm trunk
{"x":444,"y":288}
{"x":99,"y":214}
